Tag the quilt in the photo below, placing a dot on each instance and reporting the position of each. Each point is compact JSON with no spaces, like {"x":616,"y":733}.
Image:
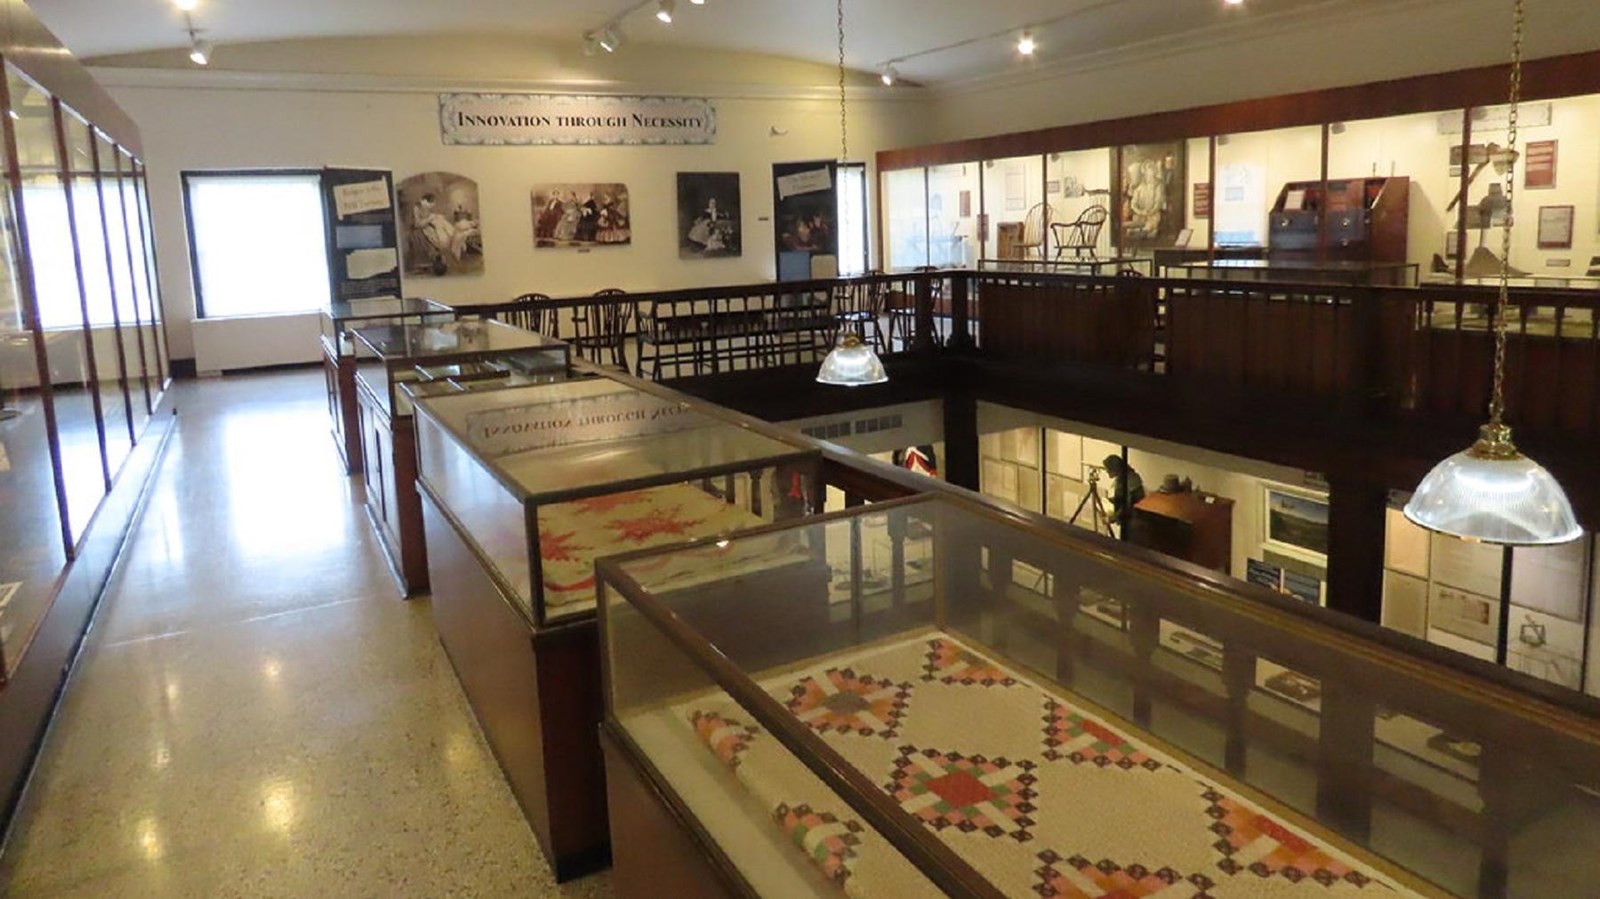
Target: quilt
{"x":573,"y":535}
{"x":1040,"y":796}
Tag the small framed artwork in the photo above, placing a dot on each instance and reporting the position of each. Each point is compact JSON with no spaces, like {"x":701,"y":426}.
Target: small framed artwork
{"x":1296,"y":521}
{"x":1184,"y":236}
{"x":1555,"y":227}
{"x":1539,"y":165}
{"x":1202,"y":200}
{"x":1452,"y":244}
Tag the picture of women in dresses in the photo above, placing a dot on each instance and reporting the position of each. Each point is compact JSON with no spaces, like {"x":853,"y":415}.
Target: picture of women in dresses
{"x":581,"y":215}
{"x":708,"y":215}
{"x":1152,"y":184}
{"x":442,"y":231}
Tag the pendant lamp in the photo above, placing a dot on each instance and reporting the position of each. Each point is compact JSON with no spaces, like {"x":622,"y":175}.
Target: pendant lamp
{"x":1490,"y":492}
{"x":851,"y":363}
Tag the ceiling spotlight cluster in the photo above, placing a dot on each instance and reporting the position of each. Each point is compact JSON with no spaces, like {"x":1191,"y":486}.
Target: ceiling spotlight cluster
{"x":199,"y":48}
{"x":608,"y":37}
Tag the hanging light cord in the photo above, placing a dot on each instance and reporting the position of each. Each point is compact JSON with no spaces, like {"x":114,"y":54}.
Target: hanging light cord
{"x":844,"y":125}
{"x":1497,"y":405}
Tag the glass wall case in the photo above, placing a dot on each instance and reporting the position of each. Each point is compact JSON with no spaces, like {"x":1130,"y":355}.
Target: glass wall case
{"x":72,"y":344}
{"x":339,"y":351}
{"x":545,"y":480}
{"x":454,"y":355}
{"x":930,"y":691}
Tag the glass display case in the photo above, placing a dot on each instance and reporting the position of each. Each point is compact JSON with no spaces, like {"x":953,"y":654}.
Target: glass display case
{"x":339,"y":321}
{"x":522,"y":489}
{"x":545,"y":480}
{"x":930,"y":697}
{"x":391,"y":356}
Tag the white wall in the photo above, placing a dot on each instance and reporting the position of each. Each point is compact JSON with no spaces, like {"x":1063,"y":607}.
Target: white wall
{"x":255,"y":124}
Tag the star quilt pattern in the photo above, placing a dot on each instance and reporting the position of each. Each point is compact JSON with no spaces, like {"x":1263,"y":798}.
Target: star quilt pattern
{"x":1041,"y":797}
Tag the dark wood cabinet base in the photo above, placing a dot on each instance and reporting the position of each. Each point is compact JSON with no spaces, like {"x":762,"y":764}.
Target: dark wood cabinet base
{"x":393,"y":505}
{"x":660,"y":854}
{"x":535,"y":694}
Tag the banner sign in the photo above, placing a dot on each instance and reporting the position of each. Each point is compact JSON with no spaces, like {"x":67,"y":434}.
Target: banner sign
{"x":490,"y":120}
{"x":516,"y":429}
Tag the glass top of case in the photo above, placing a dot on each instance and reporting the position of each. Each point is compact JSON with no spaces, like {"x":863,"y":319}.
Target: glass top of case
{"x":565,"y":438}
{"x":941,"y":662}
{"x":414,"y":341}
{"x":382,"y":307}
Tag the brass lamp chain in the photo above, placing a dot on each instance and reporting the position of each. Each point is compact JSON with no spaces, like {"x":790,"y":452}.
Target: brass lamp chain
{"x":844,"y":127}
{"x":1497,"y":406}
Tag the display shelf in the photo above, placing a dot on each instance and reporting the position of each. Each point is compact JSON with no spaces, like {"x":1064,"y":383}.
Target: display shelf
{"x":956,"y":729}
{"x":339,"y":353}
{"x":389,"y":357}
{"x":523,"y":489}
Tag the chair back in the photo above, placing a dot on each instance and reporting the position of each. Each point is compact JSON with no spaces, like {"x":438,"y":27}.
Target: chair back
{"x":533,"y":313}
{"x":1081,"y":236}
{"x":601,"y":329}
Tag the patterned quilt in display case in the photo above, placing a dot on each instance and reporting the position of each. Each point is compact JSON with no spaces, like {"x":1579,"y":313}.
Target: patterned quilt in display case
{"x":573,"y":535}
{"x":1039,"y":796}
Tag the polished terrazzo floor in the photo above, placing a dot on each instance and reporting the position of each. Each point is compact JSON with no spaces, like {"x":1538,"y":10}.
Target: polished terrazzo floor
{"x":256,"y":712}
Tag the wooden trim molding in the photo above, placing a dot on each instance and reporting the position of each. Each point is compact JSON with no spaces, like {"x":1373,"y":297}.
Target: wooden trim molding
{"x":1543,"y":79}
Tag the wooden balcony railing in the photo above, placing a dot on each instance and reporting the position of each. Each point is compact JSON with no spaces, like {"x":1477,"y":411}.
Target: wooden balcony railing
{"x":1388,"y":351}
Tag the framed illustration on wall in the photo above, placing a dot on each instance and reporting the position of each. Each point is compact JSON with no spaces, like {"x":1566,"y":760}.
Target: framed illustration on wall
{"x":1150,"y":188}
{"x":1555,"y":227}
{"x":1295,"y":520}
{"x":443,"y":229}
{"x":709,"y":221}
{"x":1539,"y":165}
{"x":581,"y":215}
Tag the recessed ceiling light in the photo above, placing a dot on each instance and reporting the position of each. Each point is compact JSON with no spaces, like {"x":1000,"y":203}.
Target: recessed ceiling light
{"x":698,"y":2}
{"x":665,"y":9}
{"x":186,"y":5}
{"x":1026,"y":45}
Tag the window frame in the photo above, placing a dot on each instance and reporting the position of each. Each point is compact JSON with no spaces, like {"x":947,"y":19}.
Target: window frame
{"x":186,"y":178}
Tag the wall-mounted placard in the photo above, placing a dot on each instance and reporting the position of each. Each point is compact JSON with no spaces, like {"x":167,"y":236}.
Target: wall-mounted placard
{"x":1555,"y":227}
{"x":1539,"y":165}
{"x":1202,"y":201}
{"x":544,"y":119}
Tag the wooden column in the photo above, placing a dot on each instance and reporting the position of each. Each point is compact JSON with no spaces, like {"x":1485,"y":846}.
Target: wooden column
{"x":1356,"y":519}
{"x":1344,"y":760}
{"x":961,"y":439}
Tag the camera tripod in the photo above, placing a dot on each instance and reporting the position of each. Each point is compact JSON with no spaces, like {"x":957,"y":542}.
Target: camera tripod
{"x":1099,"y":518}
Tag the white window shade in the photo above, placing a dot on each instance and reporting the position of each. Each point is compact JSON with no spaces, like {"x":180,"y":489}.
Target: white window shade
{"x":258,"y":247}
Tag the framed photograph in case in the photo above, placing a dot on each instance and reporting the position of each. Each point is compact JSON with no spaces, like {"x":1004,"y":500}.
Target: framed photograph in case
{"x":1555,"y":227}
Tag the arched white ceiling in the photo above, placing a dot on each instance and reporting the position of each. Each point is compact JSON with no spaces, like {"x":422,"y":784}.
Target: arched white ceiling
{"x":879,"y":30}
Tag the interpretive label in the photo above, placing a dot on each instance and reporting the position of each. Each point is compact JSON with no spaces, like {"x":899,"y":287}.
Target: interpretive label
{"x":500,"y":432}
{"x":549,"y":119}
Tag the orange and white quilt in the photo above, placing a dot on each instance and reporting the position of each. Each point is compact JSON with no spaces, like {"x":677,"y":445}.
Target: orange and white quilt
{"x":1039,"y":796}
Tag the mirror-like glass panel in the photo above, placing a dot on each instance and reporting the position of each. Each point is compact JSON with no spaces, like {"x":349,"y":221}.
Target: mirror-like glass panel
{"x":85,"y":195}
{"x":905,"y":197}
{"x":30,"y":523}
{"x":1014,"y":203}
{"x":138,"y":277}
{"x":122,"y":282}
{"x":67,"y":338}
{"x":953,"y":215}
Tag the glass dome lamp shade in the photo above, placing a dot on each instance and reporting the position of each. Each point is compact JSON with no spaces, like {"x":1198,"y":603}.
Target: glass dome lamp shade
{"x":852,"y":364}
{"x":1492,"y":493}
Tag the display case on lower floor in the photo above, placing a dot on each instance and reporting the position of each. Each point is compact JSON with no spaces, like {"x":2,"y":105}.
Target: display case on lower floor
{"x":523,"y":490}
{"x":995,"y":707}
{"x":465,"y":354}
{"x":340,"y":351}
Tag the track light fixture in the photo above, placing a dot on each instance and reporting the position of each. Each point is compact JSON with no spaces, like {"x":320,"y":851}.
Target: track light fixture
{"x":665,"y":9}
{"x":199,"y":48}
{"x":610,"y":37}
{"x":186,"y":5}
{"x":1026,"y":44}
{"x":889,"y":76}
{"x":698,"y":2}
